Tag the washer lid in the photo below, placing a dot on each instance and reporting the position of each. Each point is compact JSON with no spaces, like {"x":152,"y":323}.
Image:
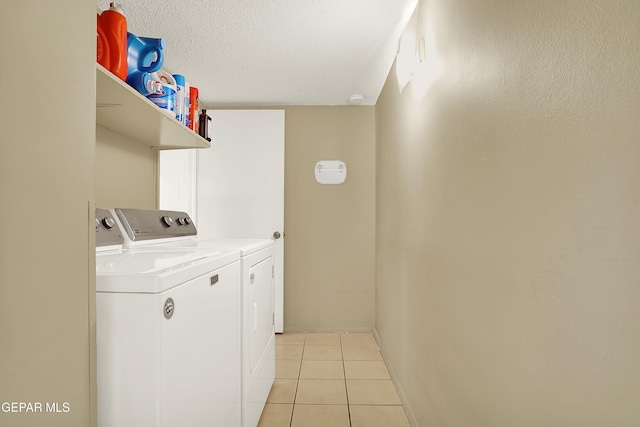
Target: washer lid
{"x":156,"y":271}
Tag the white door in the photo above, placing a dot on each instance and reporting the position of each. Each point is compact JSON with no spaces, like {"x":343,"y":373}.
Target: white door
{"x":239,"y":183}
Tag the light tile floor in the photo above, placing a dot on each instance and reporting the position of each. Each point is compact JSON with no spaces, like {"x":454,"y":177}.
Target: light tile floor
{"x":337,"y":380}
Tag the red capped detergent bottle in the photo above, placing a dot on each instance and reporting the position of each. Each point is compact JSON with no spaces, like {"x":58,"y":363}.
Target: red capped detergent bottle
{"x":111,"y":50}
{"x":194,"y":105}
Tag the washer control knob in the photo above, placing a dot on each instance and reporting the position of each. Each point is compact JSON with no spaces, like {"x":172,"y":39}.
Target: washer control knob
{"x":184,"y":221}
{"x":108,"y":223}
{"x":166,"y":221}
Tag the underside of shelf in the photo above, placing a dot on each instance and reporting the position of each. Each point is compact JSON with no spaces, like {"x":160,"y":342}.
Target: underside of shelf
{"x":123,"y":110}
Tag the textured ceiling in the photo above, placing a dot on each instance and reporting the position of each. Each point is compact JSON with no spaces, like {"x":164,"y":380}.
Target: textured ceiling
{"x":275,"y":52}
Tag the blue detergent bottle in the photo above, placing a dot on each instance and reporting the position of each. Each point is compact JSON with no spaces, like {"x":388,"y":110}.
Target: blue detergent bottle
{"x":181,"y":99}
{"x":144,"y":56}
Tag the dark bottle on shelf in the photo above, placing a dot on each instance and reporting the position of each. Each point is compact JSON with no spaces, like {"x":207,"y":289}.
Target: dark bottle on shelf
{"x":203,"y":125}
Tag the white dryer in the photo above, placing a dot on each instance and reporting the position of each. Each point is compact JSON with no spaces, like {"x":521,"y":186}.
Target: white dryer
{"x":258,"y":300}
{"x":258,"y":330}
{"x":168,"y":333}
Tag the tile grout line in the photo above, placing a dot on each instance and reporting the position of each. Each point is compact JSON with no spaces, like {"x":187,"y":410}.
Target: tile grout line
{"x":346,"y":390}
{"x":295,"y":396}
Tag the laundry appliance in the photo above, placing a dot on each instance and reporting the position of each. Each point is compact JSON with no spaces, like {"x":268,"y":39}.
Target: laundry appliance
{"x":257,"y":294}
{"x":167,"y":332}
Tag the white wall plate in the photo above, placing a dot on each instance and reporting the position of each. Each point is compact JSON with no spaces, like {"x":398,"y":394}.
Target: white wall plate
{"x":331,"y":172}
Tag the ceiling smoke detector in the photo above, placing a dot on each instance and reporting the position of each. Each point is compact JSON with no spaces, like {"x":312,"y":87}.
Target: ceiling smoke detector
{"x":356,"y":99}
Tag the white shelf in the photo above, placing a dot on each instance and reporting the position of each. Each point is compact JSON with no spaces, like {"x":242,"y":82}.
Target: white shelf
{"x":123,"y":110}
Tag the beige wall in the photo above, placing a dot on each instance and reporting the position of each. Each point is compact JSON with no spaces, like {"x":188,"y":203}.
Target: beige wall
{"x":508,"y":235}
{"x":47,"y":285}
{"x":329,"y":243}
{"x":125,"y":172}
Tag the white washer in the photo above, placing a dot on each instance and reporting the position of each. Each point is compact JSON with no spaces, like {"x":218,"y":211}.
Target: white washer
{"x":168,"y":334}
{"x":258,"y":300}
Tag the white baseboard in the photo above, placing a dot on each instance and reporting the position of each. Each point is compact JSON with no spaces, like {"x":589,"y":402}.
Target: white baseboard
{"x":329,"y":330}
